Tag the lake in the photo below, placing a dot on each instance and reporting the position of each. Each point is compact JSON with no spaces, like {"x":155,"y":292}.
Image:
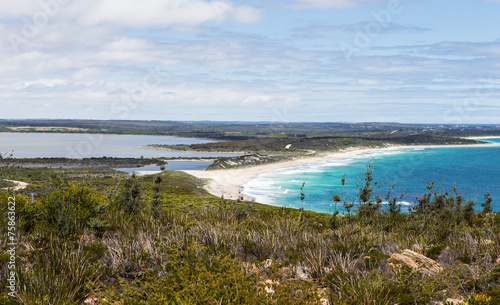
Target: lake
{"x":171,"y":166}
{"x":60,"y":145}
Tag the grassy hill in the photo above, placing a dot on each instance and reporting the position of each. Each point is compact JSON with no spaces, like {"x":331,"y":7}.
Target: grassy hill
{"x":97,"y":235}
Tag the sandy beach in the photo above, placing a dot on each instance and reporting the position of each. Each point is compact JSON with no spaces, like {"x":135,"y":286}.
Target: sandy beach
{"x":479,"y":138}
{"x":229,"y":183}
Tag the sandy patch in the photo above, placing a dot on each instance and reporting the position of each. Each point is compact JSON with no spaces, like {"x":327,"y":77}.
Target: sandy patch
{"x":480,"y":138}
{"x":144,"y":173}
{"x":19,"y":185}
{"x":47,"y":128}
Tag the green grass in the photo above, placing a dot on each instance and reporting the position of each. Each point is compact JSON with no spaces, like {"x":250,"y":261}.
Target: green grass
{"x":6,"y":184}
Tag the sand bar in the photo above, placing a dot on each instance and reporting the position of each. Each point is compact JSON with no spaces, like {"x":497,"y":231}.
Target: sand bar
{"x":229,"y":183}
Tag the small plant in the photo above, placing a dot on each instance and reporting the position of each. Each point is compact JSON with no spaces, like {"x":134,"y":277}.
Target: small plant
{"x":367,"y":206}
{"x":130,"y":197}
{"x":336,"y":199}
{"x":487,"y":204}
{"x":60,"y":274}
{"x":302,"y":195}
{"x":156,"y":204}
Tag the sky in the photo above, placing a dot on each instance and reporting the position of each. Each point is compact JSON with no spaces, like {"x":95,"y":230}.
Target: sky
{"x":409,"y":61}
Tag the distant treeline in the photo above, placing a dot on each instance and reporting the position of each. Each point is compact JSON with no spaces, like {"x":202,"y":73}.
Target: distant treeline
{"x":248,"y":130}
{"x":95,"y":163}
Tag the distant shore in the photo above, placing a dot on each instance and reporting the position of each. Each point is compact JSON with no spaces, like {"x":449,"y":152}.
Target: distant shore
{"x":229,"y":183}
{"x":479,"y":138}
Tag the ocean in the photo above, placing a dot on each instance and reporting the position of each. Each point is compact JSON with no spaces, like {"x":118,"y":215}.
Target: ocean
{"x":474,"y":170}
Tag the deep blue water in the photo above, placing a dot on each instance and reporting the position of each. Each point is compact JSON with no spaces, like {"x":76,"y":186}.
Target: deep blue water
{"x":474,"y":170}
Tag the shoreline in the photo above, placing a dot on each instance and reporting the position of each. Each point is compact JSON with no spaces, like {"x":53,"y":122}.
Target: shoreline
{"x":229,"y":183}
{"x":482,"y":137}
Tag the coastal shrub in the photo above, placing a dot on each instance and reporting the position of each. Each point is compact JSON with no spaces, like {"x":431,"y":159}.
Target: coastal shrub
{"x":26,"y":211}
{"x":188,"y":277}
{"x":6,"y":184}
{"x":494,"y":294}
{"x":192,"y":276}
{"x":357,"y":287}
{"x":95,"y":251}
{"x":156,"y":203}
{"x":334,"y":221}
{"x":480,"y":299}
{"x":61,"y":273}
{"x":67,"y":211}
{"x":130,"y":197}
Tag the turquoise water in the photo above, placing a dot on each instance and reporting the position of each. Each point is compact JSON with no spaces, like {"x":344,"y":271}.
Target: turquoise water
{"x":474,"y":170}
{"x":52,"y":145}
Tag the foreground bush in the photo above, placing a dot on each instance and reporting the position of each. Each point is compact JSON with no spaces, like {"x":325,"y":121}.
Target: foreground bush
{"x":191,"y":276}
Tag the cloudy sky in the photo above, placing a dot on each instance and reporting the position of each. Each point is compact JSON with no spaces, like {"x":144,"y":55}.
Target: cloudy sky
{"x":424,"y":61}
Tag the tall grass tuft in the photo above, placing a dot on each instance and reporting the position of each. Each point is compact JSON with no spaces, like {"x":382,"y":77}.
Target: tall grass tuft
{"x":59,"y":274}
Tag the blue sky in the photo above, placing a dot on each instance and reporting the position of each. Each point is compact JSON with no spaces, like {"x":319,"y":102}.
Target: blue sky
{"x":416,"y":61}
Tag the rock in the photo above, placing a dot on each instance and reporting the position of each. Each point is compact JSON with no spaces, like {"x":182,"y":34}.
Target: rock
{"x":269,"y":289}
{"x":87,"y":239}
{"x":323,"y":296}
{"x":268,"y":285}
{"x":250,"y":268}
{"x":301,"y":274}
{"x":415,"y":261}
{"x":416,"y":248}
{"x":449,"y":301}
{"x":268,"y":263}
{"x":91,"y":301}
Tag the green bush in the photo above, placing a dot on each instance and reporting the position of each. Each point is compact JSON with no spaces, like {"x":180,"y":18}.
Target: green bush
{"x":130,"y":199}
{"x":187,"y":278}
{"x":191,"y":276}
{"x":72,"y":209}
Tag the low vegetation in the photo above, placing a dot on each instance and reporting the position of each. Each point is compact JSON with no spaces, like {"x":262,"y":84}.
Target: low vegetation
{"x":162,"y":239}
{"x":94,"y":163}
{"x":306,"y":143}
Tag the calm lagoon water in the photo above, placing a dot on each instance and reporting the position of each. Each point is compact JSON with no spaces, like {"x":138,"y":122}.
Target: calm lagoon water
{"x":171,"y":166}
{"x":474,"y":170}
{"x":51,"y":145}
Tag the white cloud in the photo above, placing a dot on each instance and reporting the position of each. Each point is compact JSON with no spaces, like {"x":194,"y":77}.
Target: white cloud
{"x":94,"y":53}
{"x":148,"y":13}
{"x":88,"y":74}
{"x":132,"y":13}
{"x":16,"y":8}
{"x":246,"y":14}
{"x":322,"y":4}
{"x":129,"y":13}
